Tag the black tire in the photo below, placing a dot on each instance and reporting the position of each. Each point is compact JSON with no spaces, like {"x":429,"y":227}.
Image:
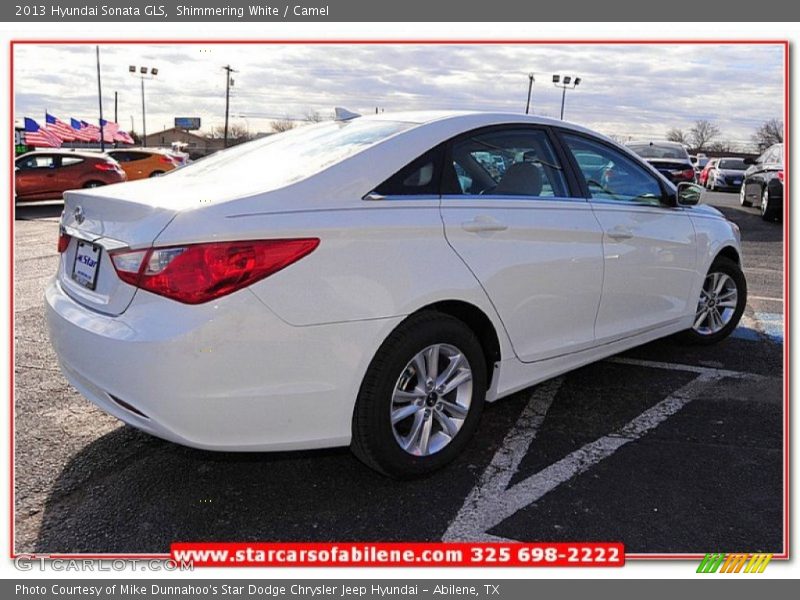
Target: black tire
{"x":769,"y":210}
{"x":93,"y":184}
{"x":156,"y":173}
{"x":722,"y":265}
{"x":373,"y":440}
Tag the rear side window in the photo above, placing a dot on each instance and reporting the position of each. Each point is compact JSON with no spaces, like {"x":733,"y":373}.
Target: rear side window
{"x":506,"y":162}
{"x":611,"y":175}
{"x":37,"y":162}
{"x":419,"y":178}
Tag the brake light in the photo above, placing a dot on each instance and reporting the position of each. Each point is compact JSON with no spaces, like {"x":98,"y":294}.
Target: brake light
{"x":780,"y":176}
{"x":105,"y":166}
{"x":166,"y":159}
{"x":199,"y":273}
{"x":688,"y":174}
{"x":63,"y":240}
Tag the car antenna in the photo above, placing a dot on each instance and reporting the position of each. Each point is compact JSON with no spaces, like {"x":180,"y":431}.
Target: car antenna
{"x":342,"y":114}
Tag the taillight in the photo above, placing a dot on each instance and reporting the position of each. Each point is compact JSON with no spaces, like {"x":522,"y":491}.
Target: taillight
{"x":780,"y":176}
{"x":166,"y":159}
{"x":63,"y":240}
{"x":688,"y":174}
{"x":199,"y":273}
{"x":105,"y":166}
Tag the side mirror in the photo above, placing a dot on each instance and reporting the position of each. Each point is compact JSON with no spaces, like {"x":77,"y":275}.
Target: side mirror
{"x":688,"y":194}
{"x":749,"y":161}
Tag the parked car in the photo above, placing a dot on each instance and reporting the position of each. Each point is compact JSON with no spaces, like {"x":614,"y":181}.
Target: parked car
{"x":143,"y":163}
{"x":47,"y":174}
{"x":373,"y":281}
{"x":670,"y":158}
{"x":726,"y":175}
{"x":699,"y":161}
{"x":702,"y":177}
{"x":762,"y":185}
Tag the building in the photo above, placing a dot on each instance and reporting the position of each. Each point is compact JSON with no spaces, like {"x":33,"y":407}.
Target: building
{"x":196,"y":145}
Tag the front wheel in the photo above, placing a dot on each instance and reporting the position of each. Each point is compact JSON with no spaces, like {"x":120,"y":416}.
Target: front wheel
{"x":93,"y":184}
{"x":721,"y":303}
{"x":422,"y":397}
{"x":743,"y":197}
{"x":769,"y":212}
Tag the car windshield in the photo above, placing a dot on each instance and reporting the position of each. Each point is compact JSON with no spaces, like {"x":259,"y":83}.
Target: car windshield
{"x":734,"y":164}
{"x":284,"y":158}
{"x":659,"y":151}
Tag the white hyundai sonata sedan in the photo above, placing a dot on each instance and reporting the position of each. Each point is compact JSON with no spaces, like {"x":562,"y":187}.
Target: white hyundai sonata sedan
{"x":373,"y":281}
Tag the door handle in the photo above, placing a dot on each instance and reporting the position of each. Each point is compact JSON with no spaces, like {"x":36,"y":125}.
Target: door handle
{"x":620,"y":233}
{"x":483,"y":223}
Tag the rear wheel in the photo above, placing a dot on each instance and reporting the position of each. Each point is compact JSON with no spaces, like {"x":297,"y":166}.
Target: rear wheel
{"x":721,"y":303}
{"x":156,"y":173}
{"x":422,"y":397}
{"x":93,"y":184}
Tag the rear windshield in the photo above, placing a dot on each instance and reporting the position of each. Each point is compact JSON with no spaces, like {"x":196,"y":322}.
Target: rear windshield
{"x":735,"y":164}
{"x":657,"y":151}
{"x":283,"y":158}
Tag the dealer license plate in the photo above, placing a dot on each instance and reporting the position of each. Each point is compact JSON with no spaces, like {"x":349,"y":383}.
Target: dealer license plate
{"x":87,"y":261}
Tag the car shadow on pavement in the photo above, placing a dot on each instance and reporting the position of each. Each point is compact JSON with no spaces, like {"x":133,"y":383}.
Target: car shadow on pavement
{"x":41,"y":210}
{"x":128,"y":492}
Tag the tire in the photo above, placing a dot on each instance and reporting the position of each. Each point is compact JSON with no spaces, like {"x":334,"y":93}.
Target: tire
{"x":156,"y":173}
{"x":93,"y":184}
{"x":769,"y":212}
{"x":743,"y":197}
{"x":376,"y":440}
{"x":706,"y":332}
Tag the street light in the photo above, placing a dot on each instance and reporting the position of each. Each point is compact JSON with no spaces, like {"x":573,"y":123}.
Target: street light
{"x":143,"y":74}
{"x":567,"y":82}
{"x":531,"y":81}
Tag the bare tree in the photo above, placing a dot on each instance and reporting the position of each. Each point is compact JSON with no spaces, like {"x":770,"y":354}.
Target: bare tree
{"x":236,"y":133}
{"x":720,"y":147}
{"x":314,"y":116}
{"x":770,"y":132}
{"x":280,"y":125}
{"x":703,"y":133}
{"x":678,"y":135}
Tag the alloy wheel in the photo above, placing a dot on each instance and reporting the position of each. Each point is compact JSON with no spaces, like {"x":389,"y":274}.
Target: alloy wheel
{"x":431,"y":399}
{"x":717,"y":303}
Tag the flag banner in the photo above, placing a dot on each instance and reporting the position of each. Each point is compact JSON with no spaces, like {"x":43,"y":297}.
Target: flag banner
{"x":40,"y":136}
{"x":79,"y":132}
{"x":61,"y":129}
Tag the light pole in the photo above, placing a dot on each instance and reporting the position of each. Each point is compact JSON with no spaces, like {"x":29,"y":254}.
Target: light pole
{"x":142,"y":73}
{"x":565,"y":83}
{"x":228,"y":83}
{"x":531,"y":81}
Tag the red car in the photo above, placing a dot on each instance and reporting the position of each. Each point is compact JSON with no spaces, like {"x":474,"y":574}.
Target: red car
{"x":47,"y":174}
{"x":702,"y":178}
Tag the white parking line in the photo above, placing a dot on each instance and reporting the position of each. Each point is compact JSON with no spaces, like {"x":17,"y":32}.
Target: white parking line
{"x":492,"y":501}
{"x":766,"y":298}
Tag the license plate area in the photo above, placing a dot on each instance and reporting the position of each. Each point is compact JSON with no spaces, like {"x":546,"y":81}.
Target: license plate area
{"x":86,"y":265}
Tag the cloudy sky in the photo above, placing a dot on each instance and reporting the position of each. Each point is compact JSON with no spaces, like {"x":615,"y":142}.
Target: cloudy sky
{"x":626,"y":90}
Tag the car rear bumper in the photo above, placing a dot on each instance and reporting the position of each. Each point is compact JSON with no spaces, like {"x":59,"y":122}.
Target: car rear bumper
{"x":227,"y":375}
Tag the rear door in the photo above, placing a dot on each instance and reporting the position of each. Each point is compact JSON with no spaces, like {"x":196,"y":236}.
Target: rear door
{"x":536,"y":250}
{"x":648,"y":246}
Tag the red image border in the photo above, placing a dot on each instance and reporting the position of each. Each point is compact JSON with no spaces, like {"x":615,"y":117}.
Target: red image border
{"x":422,"y":42}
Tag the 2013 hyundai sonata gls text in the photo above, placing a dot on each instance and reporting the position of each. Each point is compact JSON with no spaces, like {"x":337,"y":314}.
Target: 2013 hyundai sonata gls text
{"x":373,"y":281}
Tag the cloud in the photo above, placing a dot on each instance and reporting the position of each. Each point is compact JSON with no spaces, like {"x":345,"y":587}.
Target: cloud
{"x":626,"y":90}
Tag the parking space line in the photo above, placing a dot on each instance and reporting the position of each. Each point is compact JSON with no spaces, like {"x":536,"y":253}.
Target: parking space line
{"x":765,"y":298}
{"x":492,"y":501}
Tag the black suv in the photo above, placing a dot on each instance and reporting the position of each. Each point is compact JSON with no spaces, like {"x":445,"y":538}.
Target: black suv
{"x":763,"y":183}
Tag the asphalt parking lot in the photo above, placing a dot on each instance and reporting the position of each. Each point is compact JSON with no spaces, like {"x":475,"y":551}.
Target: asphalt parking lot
{"x":667,"y":448}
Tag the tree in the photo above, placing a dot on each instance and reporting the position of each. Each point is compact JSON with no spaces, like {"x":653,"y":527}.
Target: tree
{"x":678,"y":135}
{"x":280,"y":125}
{"x":236,"y":132}
{"x":314,"y":116}
{"x":769,"y":133}
{"x":702,"y":133}
{"x":720,"y":147}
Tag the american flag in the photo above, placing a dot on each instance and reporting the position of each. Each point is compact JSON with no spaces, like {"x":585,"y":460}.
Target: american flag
{"x":109,"y":130}
{"x":61,"y":129}
{"x":94,"y":130}
{"x":80,"y":133}
{"x":124,"y":137}
{"x":40,"y":136}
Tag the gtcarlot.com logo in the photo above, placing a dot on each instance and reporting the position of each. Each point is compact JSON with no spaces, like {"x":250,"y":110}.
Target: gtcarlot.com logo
{"x":28,"y":562}
{"x":720,"y":562}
